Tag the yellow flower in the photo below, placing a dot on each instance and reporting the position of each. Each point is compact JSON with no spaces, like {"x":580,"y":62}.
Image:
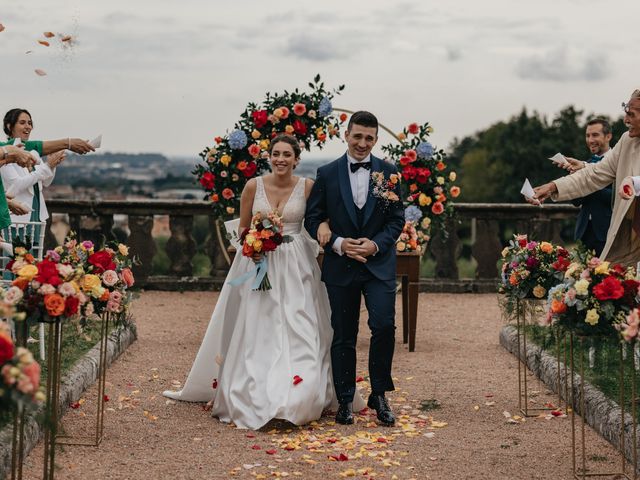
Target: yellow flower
{"x":426,"y":221}
{"x":582,"y":286}
{"x":123,"y":249}
{"x":249,"y":239}
{"x":429,"y":129}
{"x":401,"y":246}
{"x":230,"y":210}
{"x":592,"y":317}
{"x":319,"y":131}
{"x":288,"y":129}
{"x":97,"y":292}
{"x":424,"y":200}
{"x":401,"y":136}
{"x":453,"y":176}
{"x":20,"y":251}
{"x":257,"y":245}
{"x":264,"y":144}
{"x":75,"y":285}
{"x":602,"y":269}
{"x":90,"y":281}
{"x":505,"y":251}
{"x":255,"y":134}
{"x":28,"y":272}
{"x":440,"y":180}
{"x":58,"y":249}
{"x":278,"y":112}
{"x":539,"y":291}
{"x":395,"y":178}
{"x":225,"y":160}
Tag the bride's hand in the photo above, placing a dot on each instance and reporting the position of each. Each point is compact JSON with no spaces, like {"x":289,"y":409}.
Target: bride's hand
{"x":256,"y":257}
{"x":324,"y":234}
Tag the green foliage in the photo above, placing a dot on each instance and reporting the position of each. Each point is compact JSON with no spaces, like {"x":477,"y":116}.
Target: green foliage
{"x":493,"y":162}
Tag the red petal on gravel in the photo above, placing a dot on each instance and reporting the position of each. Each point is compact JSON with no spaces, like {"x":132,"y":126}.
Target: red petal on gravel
{"x":271,"y":451}
{"x":256,"y":447}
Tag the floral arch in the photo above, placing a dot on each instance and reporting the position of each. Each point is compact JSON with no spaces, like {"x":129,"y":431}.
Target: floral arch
{"x":427,"y":185}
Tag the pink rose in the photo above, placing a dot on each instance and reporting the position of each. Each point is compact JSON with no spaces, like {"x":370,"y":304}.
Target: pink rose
{"x":113,"y":306}
{"x":127,"y":277}
{"x":32,"y":371}
{"x":299,"y":109}
{"x":109,"y":278}
{"x":115,"y":296}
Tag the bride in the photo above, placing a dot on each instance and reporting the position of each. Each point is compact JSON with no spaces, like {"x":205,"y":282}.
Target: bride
{"x":266,"y":354}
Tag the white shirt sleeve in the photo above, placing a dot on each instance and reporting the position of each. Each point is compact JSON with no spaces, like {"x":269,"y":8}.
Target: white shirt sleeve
{"x":337,"y":246}
{"x":636,"y":185}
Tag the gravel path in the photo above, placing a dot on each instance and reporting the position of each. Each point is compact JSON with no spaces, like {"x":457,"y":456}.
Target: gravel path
{"x":458,"y":362}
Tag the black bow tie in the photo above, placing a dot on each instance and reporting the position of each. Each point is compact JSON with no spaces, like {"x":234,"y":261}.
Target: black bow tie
{"x":355,"y":166}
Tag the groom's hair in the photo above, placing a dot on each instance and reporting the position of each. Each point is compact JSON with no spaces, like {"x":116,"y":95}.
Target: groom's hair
{"x":363,"y":118}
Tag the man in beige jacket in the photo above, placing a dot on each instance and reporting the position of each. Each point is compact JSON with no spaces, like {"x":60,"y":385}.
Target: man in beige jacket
{"x":622,"y":161}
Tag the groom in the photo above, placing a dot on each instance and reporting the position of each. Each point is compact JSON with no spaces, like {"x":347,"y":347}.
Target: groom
{"x":359,"y":259}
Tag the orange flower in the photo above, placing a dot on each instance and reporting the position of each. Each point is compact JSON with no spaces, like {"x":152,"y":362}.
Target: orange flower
{"x":254,"y":150}
{"x":558,"y":306}
{"x":21,"y":283}
{"x":413,"y":187}
{"x":441,"y":198}
{"x":440,"y":166}
{"x":247,"y":250}
{"x":105,"y":296}
{"x":215,"y":198}
{"x":437,"y":208}
{"x":218,"y":140}
{"x":54,"y":303}
{"x":401,"y":136}
{"x":322,"y":137}
{"x":29,"y":258}
{"x":513,"y":279}
{"x":288,"y":129}
{"x":546,"y":247}
{"x":242,"y":165}
{"x":411,"y":154}
{"x":299,"y":109}
{"x":343,"y":117}
{"x":266,"y":233}
{"x":227,"y":194}
{"x":455,"y":191}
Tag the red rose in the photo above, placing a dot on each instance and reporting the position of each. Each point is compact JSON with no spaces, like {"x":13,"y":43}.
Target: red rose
{"x":227,"y":194}
{"x":48,"y":273}
{"x":299,"y":127}
{"x":609,"y":289}
{"x":260,"y":118}
{"x":437,"y":208}
{"x":413,"y":128}
{"x":208,"y":180}
{"x":6,"y":349}
{"x":406,"y":160}
{"x":409,"y":172}
{"x":561,"y":264}
{"x":101,"y":261}
{"x":268,"y":245}
{"x":250,"y":169}
{"x":254,"y":150}
{"x":71,"y":306}
{"x":619,"y":269}
{"x":630,"y":291}
{"x":423,"y":175}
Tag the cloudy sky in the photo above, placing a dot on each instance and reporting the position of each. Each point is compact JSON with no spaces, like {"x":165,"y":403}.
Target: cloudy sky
{"x":161,"y":76}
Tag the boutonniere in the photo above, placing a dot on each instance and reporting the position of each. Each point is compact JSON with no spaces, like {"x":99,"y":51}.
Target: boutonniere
{"x":383,"y":188}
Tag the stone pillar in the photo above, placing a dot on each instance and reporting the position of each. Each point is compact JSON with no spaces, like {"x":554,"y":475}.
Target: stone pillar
{"x":446,"y":250}
{"x":219,"y":264}
{"x":141,"y":245}
{"x":181,"y":246}
{"x":487,"y":247}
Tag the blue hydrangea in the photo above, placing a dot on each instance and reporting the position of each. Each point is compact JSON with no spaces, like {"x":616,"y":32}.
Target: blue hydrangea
{"x":412,"y":214}
{"x":424,"y":150}
{"x":325,"y":107}
{"x":237,"y":139}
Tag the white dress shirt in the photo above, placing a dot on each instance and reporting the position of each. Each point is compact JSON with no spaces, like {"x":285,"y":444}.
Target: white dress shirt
{"x":359,"y":181}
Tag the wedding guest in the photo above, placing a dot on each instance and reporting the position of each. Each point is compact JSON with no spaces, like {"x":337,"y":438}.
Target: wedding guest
{"x":593,"y":220}
{"x":17,"y":123}
{"x":10,"y":155}
{"x":623,"y":238}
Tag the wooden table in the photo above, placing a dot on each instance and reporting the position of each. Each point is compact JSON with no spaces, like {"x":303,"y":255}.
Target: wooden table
{"x":408,"y":269}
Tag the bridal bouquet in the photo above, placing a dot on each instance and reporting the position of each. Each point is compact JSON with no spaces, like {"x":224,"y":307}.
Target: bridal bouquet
{"x":263,"y":236}
{"x":596,"y":297}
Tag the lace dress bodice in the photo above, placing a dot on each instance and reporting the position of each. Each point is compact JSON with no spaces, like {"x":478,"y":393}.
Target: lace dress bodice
{"x":292,"y":212}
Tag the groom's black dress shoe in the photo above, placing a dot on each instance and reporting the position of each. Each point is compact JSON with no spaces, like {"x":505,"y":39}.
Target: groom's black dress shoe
{"x":345,"y":415}
{"x":381,"y":406}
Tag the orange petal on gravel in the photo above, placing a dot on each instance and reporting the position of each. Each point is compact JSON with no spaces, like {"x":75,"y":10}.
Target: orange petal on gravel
{"x":66,"y":38}
{"x":43,"y":42}
{"x":1,"y":27}
{"x":49,"y":34}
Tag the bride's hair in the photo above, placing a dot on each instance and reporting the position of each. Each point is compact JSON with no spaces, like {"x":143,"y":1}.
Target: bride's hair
{"x":285,"y":138}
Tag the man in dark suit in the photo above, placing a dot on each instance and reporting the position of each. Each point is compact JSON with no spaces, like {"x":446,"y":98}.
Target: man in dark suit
{"x":360,"y":259}
{"x":593,"y":220}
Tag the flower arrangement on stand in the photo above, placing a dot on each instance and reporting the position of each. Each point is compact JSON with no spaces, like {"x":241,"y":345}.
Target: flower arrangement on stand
{"x":426,"y":182}
{"x":412,"y":239}
{"x":243,"y":153}
{"x":595,"y":298}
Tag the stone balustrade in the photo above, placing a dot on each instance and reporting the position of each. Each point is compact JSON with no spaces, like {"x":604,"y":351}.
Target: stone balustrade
{"x":483,"y":227}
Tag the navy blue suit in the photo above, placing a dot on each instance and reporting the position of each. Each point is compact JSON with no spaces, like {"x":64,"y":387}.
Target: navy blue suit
{"x":593,"y":220}
{"x":346,"y":279}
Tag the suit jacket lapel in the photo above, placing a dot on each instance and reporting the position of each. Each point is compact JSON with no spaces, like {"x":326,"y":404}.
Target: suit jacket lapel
{"x":345,"y":189}
{"x":371,"y":200}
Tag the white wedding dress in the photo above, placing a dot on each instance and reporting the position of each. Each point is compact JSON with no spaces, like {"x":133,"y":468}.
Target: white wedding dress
{"x":257,"y":342}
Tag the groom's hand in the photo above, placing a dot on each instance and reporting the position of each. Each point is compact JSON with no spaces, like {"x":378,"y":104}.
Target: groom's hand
{"x":350,"y":247}
{"x":366,"y":248}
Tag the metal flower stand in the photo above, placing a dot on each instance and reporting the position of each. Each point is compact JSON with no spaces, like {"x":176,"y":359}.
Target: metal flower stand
{"x":626,"y":379}
{"x":95,"y":438}
{"x":19,"y":414}
{"x":524,"y":307}
{"x":52,"y":395}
